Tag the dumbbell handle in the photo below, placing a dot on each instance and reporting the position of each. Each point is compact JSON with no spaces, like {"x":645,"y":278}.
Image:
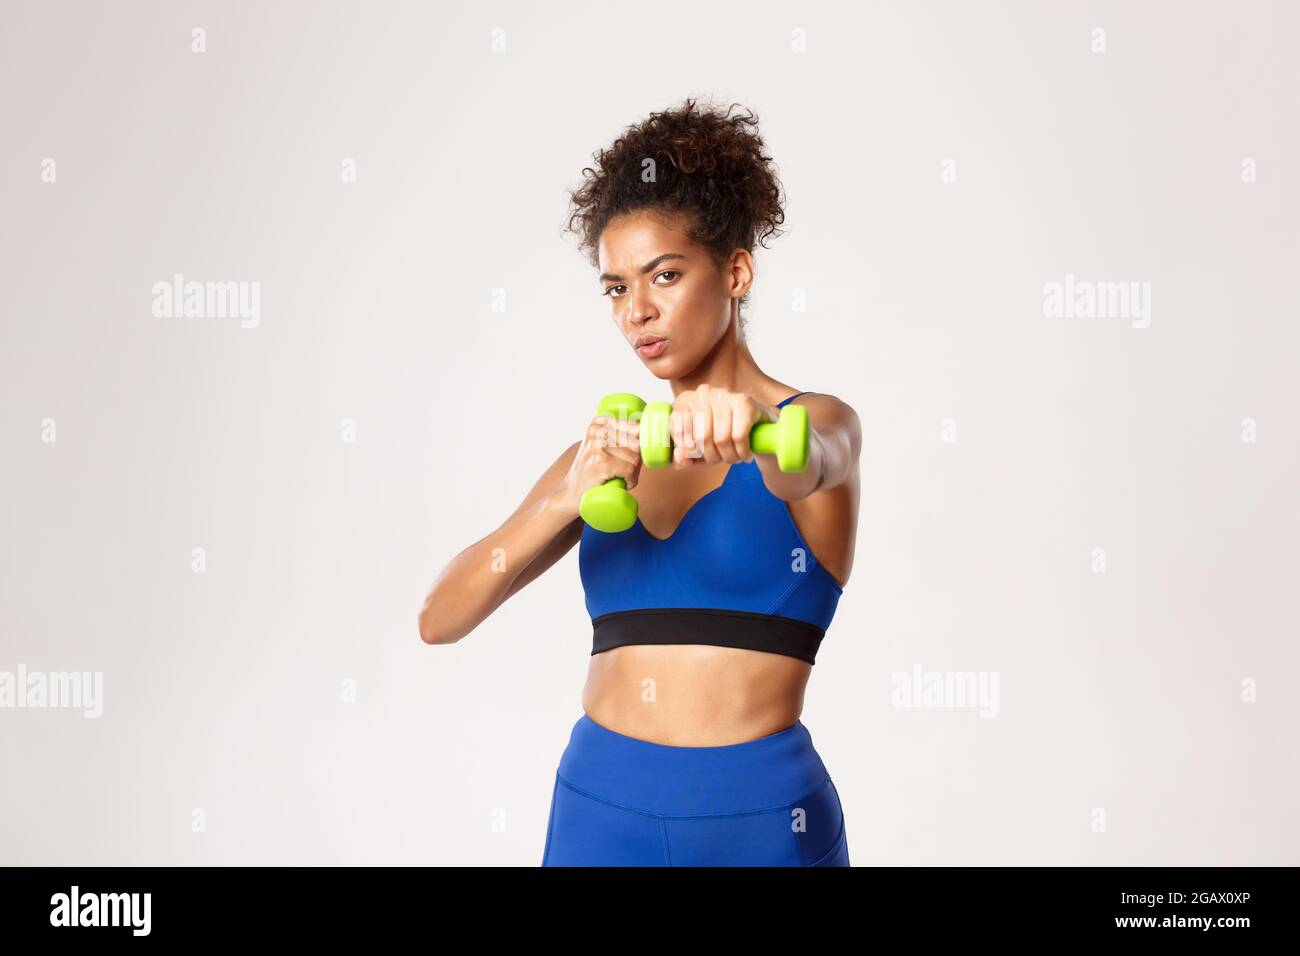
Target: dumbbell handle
{"x":763,"y":438}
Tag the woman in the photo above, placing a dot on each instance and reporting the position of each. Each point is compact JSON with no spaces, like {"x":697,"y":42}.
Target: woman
{"x":708,"y":612}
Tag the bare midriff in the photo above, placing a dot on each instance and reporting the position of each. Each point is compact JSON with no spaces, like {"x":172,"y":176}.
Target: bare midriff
{"x":694,"y":695}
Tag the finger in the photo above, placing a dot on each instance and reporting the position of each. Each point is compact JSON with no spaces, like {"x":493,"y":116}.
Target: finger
{"x":676,"y":434}
{"x":620,"y":433}
{"x":622,"y":463}
{"x":704,"y":435}
{"x":691,"y":433}
{"x":630,"y":455}
{"x":722,"y":442}
{"x":598,"y":431}
{"x":685,"y":442}
{"x":741,"y":423}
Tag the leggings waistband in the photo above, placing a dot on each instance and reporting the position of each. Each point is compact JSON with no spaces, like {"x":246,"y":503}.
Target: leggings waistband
{"x":770,"y":772}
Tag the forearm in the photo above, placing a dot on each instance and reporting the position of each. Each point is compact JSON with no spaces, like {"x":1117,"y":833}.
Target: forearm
{"x":834,"y":446}
{"x":793,"y":485}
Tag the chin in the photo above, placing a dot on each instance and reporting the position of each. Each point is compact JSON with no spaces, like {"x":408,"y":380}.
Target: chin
{"x":664,"y":371}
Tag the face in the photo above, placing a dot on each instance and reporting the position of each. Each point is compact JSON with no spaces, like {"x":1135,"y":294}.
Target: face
{"x":662,"y":285}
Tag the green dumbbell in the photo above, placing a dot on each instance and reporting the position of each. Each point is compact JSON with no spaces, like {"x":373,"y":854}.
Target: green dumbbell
{"x":787,"y":437}
{"x":610,"y":507}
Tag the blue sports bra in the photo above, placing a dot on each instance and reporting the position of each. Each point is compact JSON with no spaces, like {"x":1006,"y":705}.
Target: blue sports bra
{"x":735,"y":573}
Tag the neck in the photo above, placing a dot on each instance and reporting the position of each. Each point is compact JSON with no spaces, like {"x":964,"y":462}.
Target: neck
{"x":730,"y":365}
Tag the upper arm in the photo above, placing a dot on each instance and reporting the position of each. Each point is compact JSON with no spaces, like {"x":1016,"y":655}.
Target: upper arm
{"x":565,"y":540}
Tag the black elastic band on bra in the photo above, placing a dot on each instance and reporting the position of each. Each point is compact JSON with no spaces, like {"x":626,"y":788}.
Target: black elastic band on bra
{"x":715,"y":626}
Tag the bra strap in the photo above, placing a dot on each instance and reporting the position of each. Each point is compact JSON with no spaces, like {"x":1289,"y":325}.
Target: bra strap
{"x":792,"y":398}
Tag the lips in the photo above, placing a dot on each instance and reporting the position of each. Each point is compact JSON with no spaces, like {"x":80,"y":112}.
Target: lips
{"x":651,"y":346}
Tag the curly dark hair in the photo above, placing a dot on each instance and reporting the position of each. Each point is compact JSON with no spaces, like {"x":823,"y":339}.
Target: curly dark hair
{"x":716,"y":171}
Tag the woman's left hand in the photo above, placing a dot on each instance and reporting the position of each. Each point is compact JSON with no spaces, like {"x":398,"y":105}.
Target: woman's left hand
{"x":710,"y":425}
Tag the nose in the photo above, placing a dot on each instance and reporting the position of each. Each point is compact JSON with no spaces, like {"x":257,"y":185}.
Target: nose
{"x":639,"y":309}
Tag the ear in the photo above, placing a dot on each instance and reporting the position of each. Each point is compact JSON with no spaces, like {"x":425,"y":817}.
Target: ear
{"x":738,"y":271}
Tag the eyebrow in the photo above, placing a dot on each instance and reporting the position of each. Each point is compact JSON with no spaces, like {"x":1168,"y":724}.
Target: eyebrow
{"x":610,"y":276}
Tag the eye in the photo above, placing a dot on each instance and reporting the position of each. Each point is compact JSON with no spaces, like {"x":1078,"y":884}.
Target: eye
{"x":667,"y":272}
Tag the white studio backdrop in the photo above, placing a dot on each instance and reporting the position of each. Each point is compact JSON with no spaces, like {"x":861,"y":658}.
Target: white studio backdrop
{"x":1048,"y":253}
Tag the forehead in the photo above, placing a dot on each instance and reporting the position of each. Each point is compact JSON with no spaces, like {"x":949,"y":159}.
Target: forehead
{"x":636,"y":237}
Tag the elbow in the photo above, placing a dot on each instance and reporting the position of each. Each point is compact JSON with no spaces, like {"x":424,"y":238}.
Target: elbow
{"x":427,"y":634}
{"x":430,"y":634}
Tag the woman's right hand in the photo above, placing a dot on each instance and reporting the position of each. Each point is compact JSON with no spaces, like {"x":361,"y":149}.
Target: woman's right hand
{"x":610,"y":449}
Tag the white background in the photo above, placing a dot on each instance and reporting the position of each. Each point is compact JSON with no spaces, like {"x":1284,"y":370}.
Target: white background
{"x":1118,"y":692}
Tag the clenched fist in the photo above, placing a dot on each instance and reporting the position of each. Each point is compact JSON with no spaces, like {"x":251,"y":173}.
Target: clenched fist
{"x":710,"y":425}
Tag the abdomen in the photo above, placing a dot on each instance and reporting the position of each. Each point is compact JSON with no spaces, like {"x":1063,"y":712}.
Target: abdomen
{"x":692,"y":695}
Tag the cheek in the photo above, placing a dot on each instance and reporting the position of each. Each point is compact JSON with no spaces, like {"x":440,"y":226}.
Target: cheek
{"x":705,"y":311}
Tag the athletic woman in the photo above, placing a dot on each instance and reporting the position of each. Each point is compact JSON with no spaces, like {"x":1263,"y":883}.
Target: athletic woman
{"x":708,"y":612}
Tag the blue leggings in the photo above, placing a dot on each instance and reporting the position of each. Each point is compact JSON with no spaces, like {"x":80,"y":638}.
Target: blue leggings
{"x":622,"y":801}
